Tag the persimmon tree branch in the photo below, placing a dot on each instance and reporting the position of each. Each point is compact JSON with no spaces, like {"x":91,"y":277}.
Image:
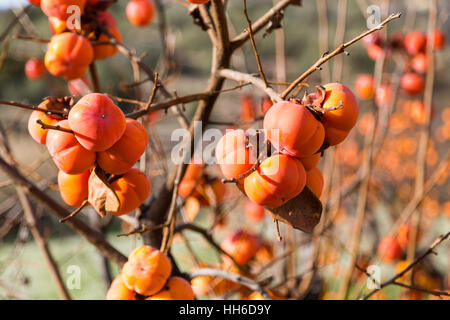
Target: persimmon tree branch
{"x":245,"y":77}
{"x":33,"y":108}
{"x":341,"y":49}
{"x":259,"y":24}
{"x":391,"y":281}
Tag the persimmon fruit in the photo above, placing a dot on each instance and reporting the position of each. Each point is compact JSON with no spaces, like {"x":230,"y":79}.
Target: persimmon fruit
{"x":140,"y":12}
{"x":58,"y":8}
{"x":339,"y":122}
{"x":119,"y":291}
{"x":278,"y":179}
{"x":97,"y":122}
{"x":292,"y":129}
{"x":74,"y":188}
{"x":67,"y":153}
{"x":132,"y":189}
{"x":35,"y":130}
{"x":234,"y":155}
{"x":241,"y":245}
{"x":68,"y":55}
{"x":177,"y":289}
{"x":146,"y":271}
{"x":126,"y":151}
{"x":314,"y":180}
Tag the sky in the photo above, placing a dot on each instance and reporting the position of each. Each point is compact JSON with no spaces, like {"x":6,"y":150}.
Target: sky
{"x":6,"y":4}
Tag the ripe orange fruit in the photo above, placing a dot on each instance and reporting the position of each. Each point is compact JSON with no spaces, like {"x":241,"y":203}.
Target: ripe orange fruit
{"x":132,"y":189}
{"x":67,"y":153}
{"x":140,"y":12}
{"x":412,"y":83}
{"x":278,"y":179}
{"x":74,"y":188}
{"x":292,"y":129}
{"x":97,"y":122}
{"x":241,"y":245}
{"x":36,"y":132}
{"x":314,"y":180}
{"x":234,"y":155}
{"x":364,"y":87}
{"x":119,"y":291}
{"x":415,"y":42}
{"x":34,"y":69}
{"x":177,"y":289}
{"x":338,"y":123}
{"x":146,"y":270}
{"x":126,"y":151}
{"x":68,"y":55}
{"x":58,"y":8}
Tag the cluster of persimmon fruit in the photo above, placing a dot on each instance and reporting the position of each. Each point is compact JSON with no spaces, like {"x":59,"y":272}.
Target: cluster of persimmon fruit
{"x":94,"y":133}
{"x":70,"y":50}
{"x":412,"y":47}
{"x":147,"y":276}
{"x":299,"y":131}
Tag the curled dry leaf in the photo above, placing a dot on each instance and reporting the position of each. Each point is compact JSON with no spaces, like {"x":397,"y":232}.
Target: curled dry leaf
{"x":302,"y":212}
{"x":101,"y":194}
{"x":314,"y":100}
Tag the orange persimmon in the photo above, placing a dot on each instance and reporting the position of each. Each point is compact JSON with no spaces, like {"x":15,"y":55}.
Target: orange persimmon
{"x":126,"y":152}
{"x":97,"y":122}
{"x":74,"y":188}
{"x":177,"y":289}
{"x":339,"y":122}
{"x":292,"y":129}
{"x":278,"y":179}
{"x":119,"y":291}
{"x":67,"y":153}
{"x":132,"y":189}
{"x":146,"y":270}
{"x":68,"y":55}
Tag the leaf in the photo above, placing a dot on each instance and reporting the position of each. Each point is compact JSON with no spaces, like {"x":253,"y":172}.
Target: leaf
{"x":315,"y":100}
{"x":302,"y":212}
{"x":101,"y":194}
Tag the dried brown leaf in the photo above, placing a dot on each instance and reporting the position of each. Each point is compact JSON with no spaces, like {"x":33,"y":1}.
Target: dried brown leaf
{"x":302,"y":212}
{"x":101,"y":194}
